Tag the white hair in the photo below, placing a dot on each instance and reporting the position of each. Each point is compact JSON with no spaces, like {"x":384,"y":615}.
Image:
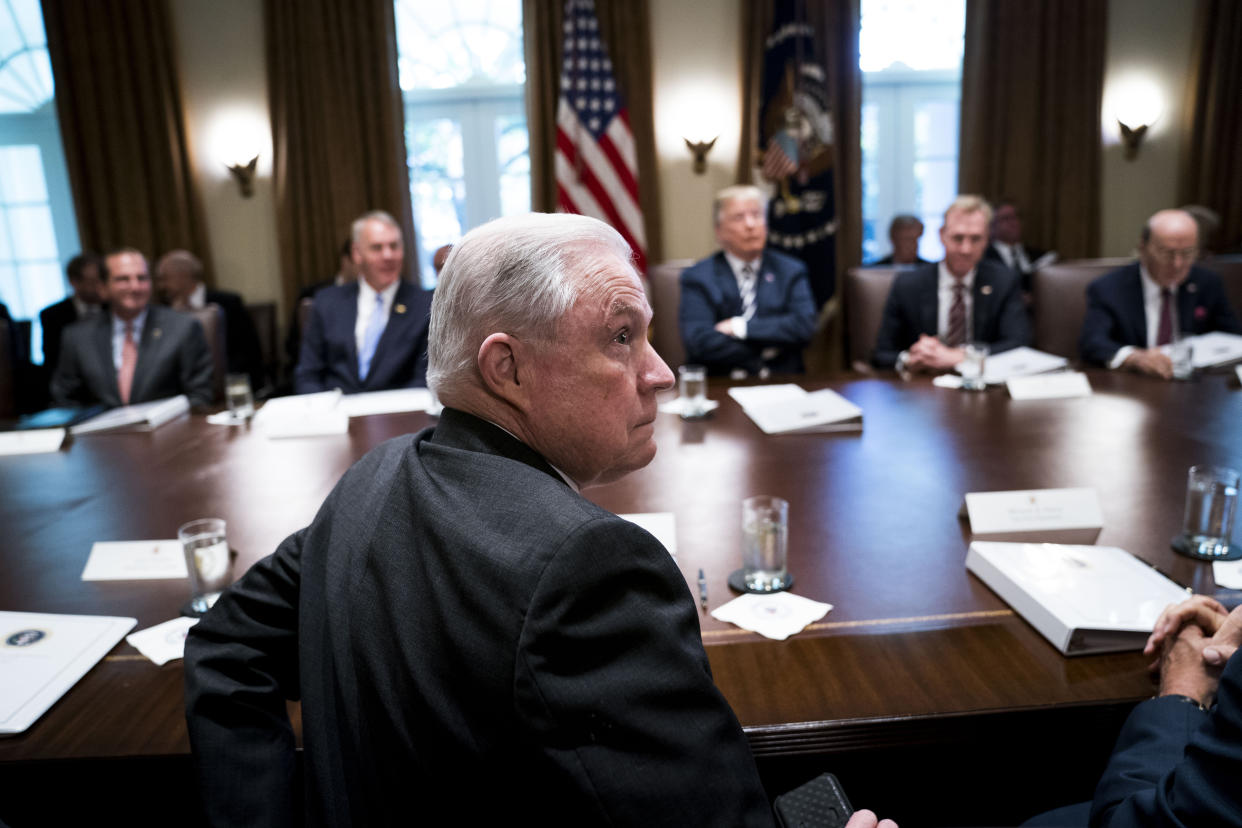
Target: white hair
{"x":517,"y":275}
{"x":736,"y":192}
{"x":355,"y":229}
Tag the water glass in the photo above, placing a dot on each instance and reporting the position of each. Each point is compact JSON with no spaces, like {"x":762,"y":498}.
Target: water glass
{"x":971,"y":367}
{"x":765,"y":543}
{"x":693,"y":385}
{"x":1182,"y":354}
{"x":240,"y":397}
{"x":207,"y":559}
{"x":1211,"y":502}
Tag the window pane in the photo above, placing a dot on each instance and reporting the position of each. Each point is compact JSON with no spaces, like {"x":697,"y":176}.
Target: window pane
{"x":21,"y":175}
{"x":513,"y":147}
{"x":437,"y":184}
{"x":33,"y":236}
{"x":25,"y":71}
{"x":935,"y":129}
{"x":911,"y":34}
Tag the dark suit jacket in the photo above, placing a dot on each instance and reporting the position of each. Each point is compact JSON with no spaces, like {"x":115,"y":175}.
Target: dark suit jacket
{"x":784,"y":317}
{"x":1115,"y":315}
{"x":245,"y":355}
{"x":172,"y":359}
{"x":54,"y":319}
{"x":1175,"y":765}
{"x":471,"y":640}
{"x":991,"y":254}
{"x":912,"y":309}
{"x":329,"y":357}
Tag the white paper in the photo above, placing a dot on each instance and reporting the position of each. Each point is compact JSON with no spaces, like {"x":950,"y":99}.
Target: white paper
{"x":139,"y":417}
{"x":42,"y":656}
{"x":824,"y":410}
{"x":674,"y":406}
{"x":163,"y":642}
{"x":1033,"y":510}
{"x":1018,"y":362}
{"x":135,"y":561}
{"x":1049,"y":386}
{"x":951,"y":381}
{"x":34,"y":441}
{"x":303,"y":415}
{"x":777,"y":615}
{"x":395,"y":401}
{"x":756,"y":395}
{"x":661,"y":524}
{"x":1228,"y":574}
{"x":1215,"y":348}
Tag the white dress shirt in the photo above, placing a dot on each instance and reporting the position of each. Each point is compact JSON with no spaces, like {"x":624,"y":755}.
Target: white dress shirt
{"x":118,"y":336}
{"x":366,"y":307}
{"x":1151,"y":310}
{"x":736,"y":265}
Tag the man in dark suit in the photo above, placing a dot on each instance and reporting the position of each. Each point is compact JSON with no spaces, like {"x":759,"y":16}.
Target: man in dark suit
{"x":135,"y":353}
{"x":370,"y":335}
{"x":1134,"y":311}
{"x":346,"y":274}
{"x":904,"y":232}
{"x":470,"y":638}
{"x":179,"y":280}
{"x":86,"y":300}
{"x":1007,"y":248}
{"x":934,"y":310}
{"x":745,"y":309}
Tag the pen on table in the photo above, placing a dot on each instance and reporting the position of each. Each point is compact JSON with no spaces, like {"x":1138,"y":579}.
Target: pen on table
{"x":702,"y":590}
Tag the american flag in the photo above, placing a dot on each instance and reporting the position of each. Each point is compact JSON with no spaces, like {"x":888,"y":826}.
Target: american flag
{"x":596,"y":167}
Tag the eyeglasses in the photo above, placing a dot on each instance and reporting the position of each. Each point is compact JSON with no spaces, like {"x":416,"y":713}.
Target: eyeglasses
{"x":1187,"y":254}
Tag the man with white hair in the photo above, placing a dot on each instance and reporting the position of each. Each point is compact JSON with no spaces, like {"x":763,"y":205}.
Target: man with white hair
{"x":470,"y":638}
{"x":745,"y":309}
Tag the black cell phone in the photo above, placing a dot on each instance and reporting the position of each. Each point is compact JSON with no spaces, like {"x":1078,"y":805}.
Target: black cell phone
{"x":820,"y":803}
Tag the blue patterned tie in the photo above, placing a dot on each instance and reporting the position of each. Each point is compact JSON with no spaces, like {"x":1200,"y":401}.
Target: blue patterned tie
{"x":371,"y":337}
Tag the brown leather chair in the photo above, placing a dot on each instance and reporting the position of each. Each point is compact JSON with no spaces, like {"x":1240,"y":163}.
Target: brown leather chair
{"x":1059,"y":302}
{"x":1229,"y":268}
{"x":211,"y":317}
{"x":263,"y":314}
{"x":866,"y":291}
{"x":665,"y":281}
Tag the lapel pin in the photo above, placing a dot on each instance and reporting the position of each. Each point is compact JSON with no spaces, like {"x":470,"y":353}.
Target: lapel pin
{"x":156,"y":333}
{"x":399,"y":308}
{"x":1192,"y":288}
{"x":986,"y":290}
{"x":768,"y":277}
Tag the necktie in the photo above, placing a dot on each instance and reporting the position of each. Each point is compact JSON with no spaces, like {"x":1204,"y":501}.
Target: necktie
{"x":371,"y":337}
{"x":129,"y":358}
{"x":1164,"y":333}
{"x":957,"y":316}
{"x":749,"y":284}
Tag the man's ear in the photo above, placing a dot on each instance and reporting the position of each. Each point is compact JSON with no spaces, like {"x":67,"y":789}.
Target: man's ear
{"x":504,"y":364}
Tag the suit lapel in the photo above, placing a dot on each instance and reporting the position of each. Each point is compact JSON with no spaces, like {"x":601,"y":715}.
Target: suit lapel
{"x":102,"y":352}
{"x":728,"y":286}
{"x":149,"y":345}
{"x":1187,"y":295}
{"x":350,"y":319}
{"x":929,"y":301}
{"x":1132,"y":300}
{"x":981,"y":300}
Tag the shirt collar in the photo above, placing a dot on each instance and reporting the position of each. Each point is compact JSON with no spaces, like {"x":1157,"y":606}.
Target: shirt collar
{"x":948,"y":280}
{"x":118,"y":325}
{"x":568,"y":480}
{"x":198,"y":296}
{"x":736,"y":264}
{"x":369,"y":293}
{"x":1151,"y":288}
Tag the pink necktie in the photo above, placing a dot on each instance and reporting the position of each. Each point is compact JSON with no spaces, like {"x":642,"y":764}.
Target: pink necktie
{"x":129,"y":358}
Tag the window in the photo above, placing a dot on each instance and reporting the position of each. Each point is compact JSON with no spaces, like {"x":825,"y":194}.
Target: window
{"x":910,"y":53}
{"x":37,"y":228}
{"x":462,"y":76}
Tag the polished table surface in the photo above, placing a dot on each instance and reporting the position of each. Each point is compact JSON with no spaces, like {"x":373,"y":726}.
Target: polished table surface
{"x":915,"y":650}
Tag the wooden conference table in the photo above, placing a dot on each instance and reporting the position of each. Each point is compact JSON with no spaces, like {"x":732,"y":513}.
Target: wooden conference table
{"x":917,"y":654}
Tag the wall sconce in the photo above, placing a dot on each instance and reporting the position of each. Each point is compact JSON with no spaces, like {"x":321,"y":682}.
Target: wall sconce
{"x":1131,"y":137}
{"x":243,"y":174}
{"x":700,"y":149}
{"x":1137,"y":105}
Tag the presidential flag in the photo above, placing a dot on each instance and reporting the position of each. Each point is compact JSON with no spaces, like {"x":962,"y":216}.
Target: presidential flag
{"x":596,"y":166}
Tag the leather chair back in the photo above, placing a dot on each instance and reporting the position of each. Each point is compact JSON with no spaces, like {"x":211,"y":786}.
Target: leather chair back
{"x":1229,"y":268}
{"x":211,"y":317}
{"x":866,"y":291}
{"x":1059,"y":302}
{"x":665,"y":281}
{"x":263,"y":314}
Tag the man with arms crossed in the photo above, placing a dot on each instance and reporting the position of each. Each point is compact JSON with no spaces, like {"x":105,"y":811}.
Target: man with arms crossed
{"x":934,"y":310}
{"x":1135,"y":310}
{"x":137,"y":352}
{"x":369,"y":335}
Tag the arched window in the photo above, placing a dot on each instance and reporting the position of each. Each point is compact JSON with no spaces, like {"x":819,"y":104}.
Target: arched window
{"x":462,"y":76}
{"x":37,"y":226}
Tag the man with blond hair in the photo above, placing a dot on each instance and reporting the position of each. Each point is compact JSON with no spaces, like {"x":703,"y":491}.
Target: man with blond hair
{"x":934,"y":310}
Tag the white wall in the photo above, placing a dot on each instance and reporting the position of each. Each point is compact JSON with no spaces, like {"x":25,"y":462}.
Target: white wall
{"x":1148,"y":40}
{"x":220,"y":56}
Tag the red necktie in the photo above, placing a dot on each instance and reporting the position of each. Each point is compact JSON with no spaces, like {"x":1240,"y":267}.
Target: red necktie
{"x":957,"y":316}
{"x":129,"y":358}
{"x":1164,"y":334}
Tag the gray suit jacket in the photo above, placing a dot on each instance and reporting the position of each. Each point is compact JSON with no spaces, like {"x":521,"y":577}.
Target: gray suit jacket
{"x":172,"y":359}
{"x":471,"y":640}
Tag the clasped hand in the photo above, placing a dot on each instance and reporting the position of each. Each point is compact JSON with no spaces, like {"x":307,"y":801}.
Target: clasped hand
{"x":1190,"y":643}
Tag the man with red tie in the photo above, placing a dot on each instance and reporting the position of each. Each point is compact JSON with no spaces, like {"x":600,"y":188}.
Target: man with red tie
{"x":934,"y":310}
{"x":136,"y":352}
{"x":1134,"y":311}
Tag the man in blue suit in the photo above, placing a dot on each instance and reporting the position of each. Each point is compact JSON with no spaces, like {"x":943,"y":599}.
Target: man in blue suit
{"x":745,"y":310}
{"x":1133,"y":311}
{"x":370,"y":335}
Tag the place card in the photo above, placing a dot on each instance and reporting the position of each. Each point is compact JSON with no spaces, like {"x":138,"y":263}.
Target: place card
{"x":35,"y":441}
{"x":661,"y":524}
{"x":1049,"y":386}
{"x":393,"y":401}
{"x":1227,"y":574}
{"x":1033,"y":510}
{"x":163,"y":642}
{"x":135,"y":561}
{"x":1019,"y":362}
{"x":776,"y":615}
{"x":677,"y":405}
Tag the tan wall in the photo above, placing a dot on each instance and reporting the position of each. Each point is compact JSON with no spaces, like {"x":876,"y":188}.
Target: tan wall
{"x":224,"y":83}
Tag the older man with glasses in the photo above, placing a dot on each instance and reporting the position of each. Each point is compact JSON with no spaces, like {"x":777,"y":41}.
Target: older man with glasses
{"x":1134,"y":311}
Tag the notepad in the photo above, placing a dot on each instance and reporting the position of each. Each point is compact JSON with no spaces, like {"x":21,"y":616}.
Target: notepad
{"x":139,"y":417}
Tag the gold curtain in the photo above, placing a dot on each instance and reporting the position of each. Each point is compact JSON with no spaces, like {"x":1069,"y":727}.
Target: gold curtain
{"x":1032,"y":83}
{"x":625,"y":28}
{"x":1211,"y":172}
{"x":338,"y":130}
{"x":122,"y":125}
